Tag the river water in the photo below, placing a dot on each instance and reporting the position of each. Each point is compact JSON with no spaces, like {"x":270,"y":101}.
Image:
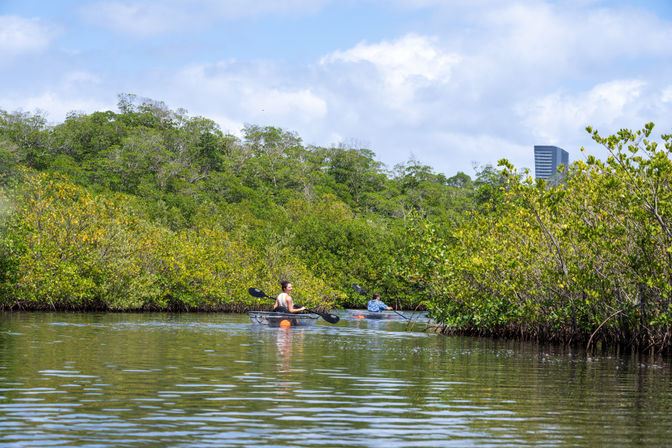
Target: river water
{"x":192,"y":380}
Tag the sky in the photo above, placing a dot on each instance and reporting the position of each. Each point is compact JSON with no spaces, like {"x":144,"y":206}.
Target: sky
{"x":453,"y":84}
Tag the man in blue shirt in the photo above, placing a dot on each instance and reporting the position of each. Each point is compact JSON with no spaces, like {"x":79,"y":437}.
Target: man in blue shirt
{"x":376,"y":305}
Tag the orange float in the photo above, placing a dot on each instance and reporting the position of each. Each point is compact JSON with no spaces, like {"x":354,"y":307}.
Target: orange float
{"x":285,"y":323}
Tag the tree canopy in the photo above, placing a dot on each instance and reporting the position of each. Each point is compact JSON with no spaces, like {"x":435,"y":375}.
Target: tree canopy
{"x":325,"y":217}
{"x":150,"y":208}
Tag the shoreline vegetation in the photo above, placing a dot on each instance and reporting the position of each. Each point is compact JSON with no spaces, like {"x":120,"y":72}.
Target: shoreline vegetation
{"x":149,"y":209}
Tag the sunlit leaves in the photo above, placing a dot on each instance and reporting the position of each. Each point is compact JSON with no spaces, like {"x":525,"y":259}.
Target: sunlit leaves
{"x":159,"y":200}
{"x":564,"y":260}
{"x":68,"y":248}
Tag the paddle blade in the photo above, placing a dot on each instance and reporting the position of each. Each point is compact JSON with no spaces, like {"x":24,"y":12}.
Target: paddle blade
{"x":359,"y":289}
{"x":256,"y":292}
{"x":331,"y":318}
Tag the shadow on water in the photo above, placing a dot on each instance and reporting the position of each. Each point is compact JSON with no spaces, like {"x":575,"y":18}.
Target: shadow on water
{"x":216,"y":379}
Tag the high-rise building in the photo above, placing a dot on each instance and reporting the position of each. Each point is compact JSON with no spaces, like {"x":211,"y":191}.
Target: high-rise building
{"x":547,"y":159}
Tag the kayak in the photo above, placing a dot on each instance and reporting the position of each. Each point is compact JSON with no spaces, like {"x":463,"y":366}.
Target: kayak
{"x":364,"y":314}
{"x":282,"y":320}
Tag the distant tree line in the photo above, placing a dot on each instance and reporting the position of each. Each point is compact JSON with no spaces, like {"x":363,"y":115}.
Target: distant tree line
{"x":150,"y":208}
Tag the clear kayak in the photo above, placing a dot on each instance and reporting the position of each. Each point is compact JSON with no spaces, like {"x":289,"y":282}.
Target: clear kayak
{"x":282,"y":320}
{"x":364,"y":314}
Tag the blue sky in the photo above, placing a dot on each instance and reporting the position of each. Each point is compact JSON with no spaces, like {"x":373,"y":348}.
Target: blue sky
{"x":453,"y":84}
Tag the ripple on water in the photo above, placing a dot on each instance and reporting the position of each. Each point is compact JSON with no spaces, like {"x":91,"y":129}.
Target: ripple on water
{"x":219,"y":382}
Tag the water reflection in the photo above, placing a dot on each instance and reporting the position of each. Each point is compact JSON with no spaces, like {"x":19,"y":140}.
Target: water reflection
{"x":199,"y":380}
{"x":285,"y":344}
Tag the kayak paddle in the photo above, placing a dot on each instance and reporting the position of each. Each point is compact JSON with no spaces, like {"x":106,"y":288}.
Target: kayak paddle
{"x":331,"y":318}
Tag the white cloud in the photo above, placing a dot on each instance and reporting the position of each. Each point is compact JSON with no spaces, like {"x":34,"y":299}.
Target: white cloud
{"x":246,"y":93}
{"x":396,"y":69}
{"x":551,"y":40}
{"x":19,"y":35}
{"x":285,"y":103}
{"x":559,"y":114}
{"x":401,"y":61}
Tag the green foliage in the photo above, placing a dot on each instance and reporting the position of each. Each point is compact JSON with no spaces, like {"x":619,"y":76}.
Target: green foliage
{"x":566,"y":260}
{"x":264,"y":204}
{"x":150,"y":208}
{"x":24,"y":139}
{"x":70,"y":249}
